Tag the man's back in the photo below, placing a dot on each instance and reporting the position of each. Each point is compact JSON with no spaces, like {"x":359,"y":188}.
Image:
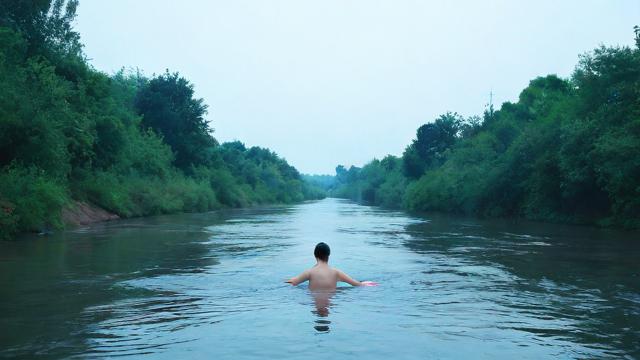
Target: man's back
{"x":323,"y":277}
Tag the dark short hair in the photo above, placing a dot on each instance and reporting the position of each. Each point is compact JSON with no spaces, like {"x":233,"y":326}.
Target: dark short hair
{"x":322,"y":251}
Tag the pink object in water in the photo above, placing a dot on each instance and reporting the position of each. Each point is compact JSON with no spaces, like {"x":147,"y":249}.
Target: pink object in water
{"x":369,"y":283}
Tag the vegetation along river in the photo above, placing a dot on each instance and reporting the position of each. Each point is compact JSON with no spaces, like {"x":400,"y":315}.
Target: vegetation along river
{"x":211,"y":285}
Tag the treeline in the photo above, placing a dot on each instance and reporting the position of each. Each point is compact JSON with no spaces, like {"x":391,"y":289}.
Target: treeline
{"x":567,"y":151}
{"x":127,"y":143}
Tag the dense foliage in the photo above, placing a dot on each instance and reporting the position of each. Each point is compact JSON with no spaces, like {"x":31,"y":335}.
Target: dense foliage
{"x":568,"y":150}
{"x":132,"y":145}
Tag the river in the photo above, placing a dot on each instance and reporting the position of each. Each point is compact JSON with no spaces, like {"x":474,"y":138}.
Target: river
{"x":211,"y":286}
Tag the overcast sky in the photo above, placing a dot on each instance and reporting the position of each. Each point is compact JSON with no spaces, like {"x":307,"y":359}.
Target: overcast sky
{"x":330,"y":82}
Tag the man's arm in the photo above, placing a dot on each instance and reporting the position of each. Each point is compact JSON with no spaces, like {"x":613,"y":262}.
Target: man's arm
{"x":299,"y":279}
{"x":346,"y":278}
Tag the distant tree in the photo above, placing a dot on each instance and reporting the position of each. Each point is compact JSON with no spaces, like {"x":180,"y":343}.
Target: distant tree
{"x":168,"y":107}
{"x":432,"y":140}
{"x":341,"y":174}
{"x":471,"y":126}
{"x":412,"y":165}
{"x":389,"y":162}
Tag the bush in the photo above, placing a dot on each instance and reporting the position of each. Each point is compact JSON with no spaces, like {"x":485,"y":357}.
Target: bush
{"x":136,"y":195}
{"x":29,"y":201}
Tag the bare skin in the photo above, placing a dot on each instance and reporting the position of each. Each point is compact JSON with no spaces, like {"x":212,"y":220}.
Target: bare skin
{"x":323,"y":277}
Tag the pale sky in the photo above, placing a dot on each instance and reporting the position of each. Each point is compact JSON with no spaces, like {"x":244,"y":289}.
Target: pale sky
{"x":332,"y":82}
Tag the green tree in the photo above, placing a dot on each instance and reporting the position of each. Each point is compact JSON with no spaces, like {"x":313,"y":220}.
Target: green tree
{"x":45,"y":24}
{"x":168,"y":107}
{"x":432,"y":141}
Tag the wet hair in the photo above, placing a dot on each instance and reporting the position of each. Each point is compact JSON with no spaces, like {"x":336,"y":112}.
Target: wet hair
{"x":322,"y":252}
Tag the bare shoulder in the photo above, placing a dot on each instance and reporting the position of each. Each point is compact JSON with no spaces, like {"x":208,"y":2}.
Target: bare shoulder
{"x":341,"y":274}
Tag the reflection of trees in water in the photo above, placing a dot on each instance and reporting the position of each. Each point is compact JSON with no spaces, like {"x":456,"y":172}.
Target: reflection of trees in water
{"x":322,"y":302}
{"x":568,"y":254}
{"x":586,"y":275}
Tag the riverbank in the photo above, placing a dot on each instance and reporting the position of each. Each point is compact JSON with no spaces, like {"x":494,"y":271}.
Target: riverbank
{"x":564,"y":221}
{"x":80,"y":213}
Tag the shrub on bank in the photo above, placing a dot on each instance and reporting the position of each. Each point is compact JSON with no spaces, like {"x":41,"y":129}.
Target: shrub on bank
{"x":29,"y":201}
{"x":133,"y":195}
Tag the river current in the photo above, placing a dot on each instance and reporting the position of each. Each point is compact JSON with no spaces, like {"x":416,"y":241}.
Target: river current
{"x":212,"y":286}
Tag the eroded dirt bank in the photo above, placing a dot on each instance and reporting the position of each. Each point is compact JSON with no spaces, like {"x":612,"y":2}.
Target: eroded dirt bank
{"x":82,"y":213}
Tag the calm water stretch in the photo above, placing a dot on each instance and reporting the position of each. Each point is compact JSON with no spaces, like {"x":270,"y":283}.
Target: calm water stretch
{"x":211,"y":286}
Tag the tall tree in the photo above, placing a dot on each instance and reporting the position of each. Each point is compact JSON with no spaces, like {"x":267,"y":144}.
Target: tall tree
{"x":169,"y":108}
{"x":46,"y":25}
{"x":432,"y":140}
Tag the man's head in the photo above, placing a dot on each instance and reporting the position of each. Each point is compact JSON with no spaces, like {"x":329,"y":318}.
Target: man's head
{"x":322,"y":252}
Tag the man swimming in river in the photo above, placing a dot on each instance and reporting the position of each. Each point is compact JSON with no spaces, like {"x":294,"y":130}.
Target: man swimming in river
{"x":322,"y":276}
